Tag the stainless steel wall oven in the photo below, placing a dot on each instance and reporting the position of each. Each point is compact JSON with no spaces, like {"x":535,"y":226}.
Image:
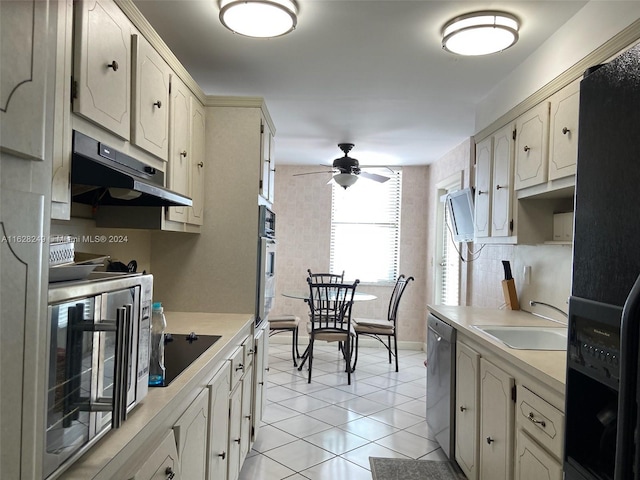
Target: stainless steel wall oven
{"x":98,"y":361}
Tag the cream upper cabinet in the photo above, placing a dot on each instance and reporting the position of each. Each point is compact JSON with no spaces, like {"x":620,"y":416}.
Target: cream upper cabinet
{"x":179,"y":151}
{"x":151,"y":77}
{"x":267,"y":159}
{"x":467,"y":411}
{"x":496,"y":422}
{"x":563,"y":131}
{"x":532,"y":151}
{"x":484,"y":163}
{"x":195,"y":214}
{"x":219,"y":423}
{"x":502,"y":188}
{"x":24,"y":37}
{"x":102,"y":65}
{"x":191,"y":431}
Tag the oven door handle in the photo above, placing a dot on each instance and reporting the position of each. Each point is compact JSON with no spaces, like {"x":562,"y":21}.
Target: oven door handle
{"x":120,"y":368}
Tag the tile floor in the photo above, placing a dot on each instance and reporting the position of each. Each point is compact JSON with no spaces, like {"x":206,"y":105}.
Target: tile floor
{"x":328,"y":429}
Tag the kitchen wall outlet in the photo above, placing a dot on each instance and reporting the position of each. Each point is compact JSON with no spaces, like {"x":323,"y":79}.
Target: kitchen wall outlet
{"x":526,"y":275}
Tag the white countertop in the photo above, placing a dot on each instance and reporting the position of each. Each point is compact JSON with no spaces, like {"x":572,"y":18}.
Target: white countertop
{"x":158,"y":409}
{"x":547,"y":365}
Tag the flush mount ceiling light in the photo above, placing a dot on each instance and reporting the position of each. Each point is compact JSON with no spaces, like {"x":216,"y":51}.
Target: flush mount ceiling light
{"x":259,"y":18}
{"x":480,"y":33}
{"x":345,"y":180}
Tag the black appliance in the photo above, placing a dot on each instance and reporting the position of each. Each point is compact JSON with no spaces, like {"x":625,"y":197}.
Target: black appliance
{"x":604,"y":323}
{"x":102,"y":175}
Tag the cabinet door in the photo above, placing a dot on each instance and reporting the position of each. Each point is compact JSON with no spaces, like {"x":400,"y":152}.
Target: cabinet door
{"x":191,"y":438}
{"x":219,"y":432}
{"x":235,"y":426}
{"x":179,"y":150}
{"x":496,"y":423}
{"x":532,"y":151}
{"x":162,"y":462}
{"x":246,"y":422}
{"x":563,"y":131}
{"x":467,"y":403}
{"x":482,"y":217}
{"x":272,"y":168}
{"x":533,"y":463}
{"x":23,"y":77}
{"x":196,"y":188}
{"x":502,"y":189}
{"x":151,"y":77}
{"x":260,"y":385}
{"x":102,"y":65}
{"x":265,"y":159}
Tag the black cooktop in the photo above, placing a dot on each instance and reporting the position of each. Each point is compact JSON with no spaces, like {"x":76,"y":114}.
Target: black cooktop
{"x":181,"y":350}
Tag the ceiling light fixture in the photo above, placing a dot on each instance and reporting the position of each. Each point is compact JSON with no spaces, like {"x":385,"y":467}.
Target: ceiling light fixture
{"x":259,"y":18}
{"x":345,"y":179}
{"x":480,"y":33}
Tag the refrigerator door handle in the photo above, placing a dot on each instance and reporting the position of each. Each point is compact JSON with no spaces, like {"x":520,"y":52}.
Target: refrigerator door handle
{"x":628,"y":390}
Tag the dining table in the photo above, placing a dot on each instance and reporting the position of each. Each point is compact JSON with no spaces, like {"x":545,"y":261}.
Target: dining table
{"x":357,"y":296}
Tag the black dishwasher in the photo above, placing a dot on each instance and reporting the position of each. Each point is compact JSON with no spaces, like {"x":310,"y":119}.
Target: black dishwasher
{"x":441,"y":367}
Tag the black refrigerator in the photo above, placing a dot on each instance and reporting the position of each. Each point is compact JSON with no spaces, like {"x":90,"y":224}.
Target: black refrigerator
{"x":601,"y":409}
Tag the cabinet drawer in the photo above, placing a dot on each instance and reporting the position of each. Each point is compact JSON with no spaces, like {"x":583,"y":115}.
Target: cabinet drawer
{"x":248,"y":346}
{"x":541,"y":420}
{"x":237,"y":365}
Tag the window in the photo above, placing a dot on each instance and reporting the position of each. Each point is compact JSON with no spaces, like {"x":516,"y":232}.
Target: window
{"x":447,"y":269}
{"x":365,"y":228}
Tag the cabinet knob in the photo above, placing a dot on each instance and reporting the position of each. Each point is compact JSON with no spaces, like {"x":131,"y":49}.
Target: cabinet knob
{"x":565,"y":130}
{"x":237,"y":440}
{"x":223,"y":455}
{"x":158,"y":104}
{"x":201,"y":164}
{"x":483,"y":192}
{"x":260,"y":383}
{"x":113,"y":65}
{"x":462,"y":409}
{"x":183,"y":153}
{"x":533,"y":419}
{"x":490,"y":440}
{"x":498,"y":187}
{"x":248,"y":417}
{"x":170,"y":473}
{"x":526,"y":148}
{"x":240,"y":367}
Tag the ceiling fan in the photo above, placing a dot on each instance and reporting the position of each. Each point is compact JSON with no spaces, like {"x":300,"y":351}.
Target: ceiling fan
{"x":347,"y":170}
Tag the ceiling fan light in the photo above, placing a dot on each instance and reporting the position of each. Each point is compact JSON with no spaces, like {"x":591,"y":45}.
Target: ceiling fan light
{"x":259,"y":18}
{"x":345,"y":180}
{"x":480,"y":33}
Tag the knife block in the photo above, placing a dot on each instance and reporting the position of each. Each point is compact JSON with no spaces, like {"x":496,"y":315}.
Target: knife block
{"x":510,"y":294}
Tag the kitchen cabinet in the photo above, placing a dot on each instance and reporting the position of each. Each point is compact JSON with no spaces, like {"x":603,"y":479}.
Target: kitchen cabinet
{"x":467,"y":411}
{"x":532,"y":149}
{"x":563,"y":131}
{"x":150,"y":106}
{"x":195,"y":215}
{"x":246,"y":423}
{"x":178,"y":168}
{"x":23,"y":78}
{"x":496,"y":422}
{"x":191,"y":431}
{"x":267,"y":156}
{"x":235,"y":431}
{"x":261,"y":369}
{"x":533,"y":463}
{"x":162,"y":463}
{"x":494,"y":186}
{"x":219,"y":388}
{"x":102,"y":65}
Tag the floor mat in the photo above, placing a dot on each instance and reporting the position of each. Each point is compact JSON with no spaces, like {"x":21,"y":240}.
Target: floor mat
{"x":405,"y":469}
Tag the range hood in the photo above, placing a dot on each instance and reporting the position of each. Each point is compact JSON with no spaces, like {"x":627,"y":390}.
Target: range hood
{"x":101,"y":175}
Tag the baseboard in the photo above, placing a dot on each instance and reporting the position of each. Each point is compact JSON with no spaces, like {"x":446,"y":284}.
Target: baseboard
{"x":364,"y":342}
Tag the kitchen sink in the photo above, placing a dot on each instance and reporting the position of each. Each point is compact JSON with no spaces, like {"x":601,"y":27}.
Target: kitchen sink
{"x":181,"y":350}
{"x":528,"y":338}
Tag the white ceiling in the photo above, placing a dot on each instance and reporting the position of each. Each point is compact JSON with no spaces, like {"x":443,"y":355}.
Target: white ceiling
{"x":369,"y":72}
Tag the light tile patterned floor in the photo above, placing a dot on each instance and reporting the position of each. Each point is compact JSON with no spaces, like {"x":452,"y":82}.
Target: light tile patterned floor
{"x":328,"y":429}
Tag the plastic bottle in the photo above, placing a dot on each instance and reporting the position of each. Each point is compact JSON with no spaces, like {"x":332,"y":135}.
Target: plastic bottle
{"x":156,"y":363}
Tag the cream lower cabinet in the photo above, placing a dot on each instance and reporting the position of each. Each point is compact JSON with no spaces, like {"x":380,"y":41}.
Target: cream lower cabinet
{"x":235,"y":429}
{"x":261,"y":369}
{"x":191,"y":431}
{"x":162,"y":463}
{"x":496,"y":422}
{"x":219,"y":424}
{"x":467,"y":411}
{"x":533,"y":462}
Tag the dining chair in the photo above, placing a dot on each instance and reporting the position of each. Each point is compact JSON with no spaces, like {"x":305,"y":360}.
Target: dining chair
{"x":330,"y":306}
{"x":286,"y":323}
{"x":378,"y":328}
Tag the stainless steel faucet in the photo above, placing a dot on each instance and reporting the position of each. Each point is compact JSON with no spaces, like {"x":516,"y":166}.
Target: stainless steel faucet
{"x":553,"y":307}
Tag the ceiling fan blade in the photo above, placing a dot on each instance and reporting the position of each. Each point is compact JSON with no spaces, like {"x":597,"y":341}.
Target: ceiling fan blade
{"x":374,"y":176}
{"x":311,"y":173}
